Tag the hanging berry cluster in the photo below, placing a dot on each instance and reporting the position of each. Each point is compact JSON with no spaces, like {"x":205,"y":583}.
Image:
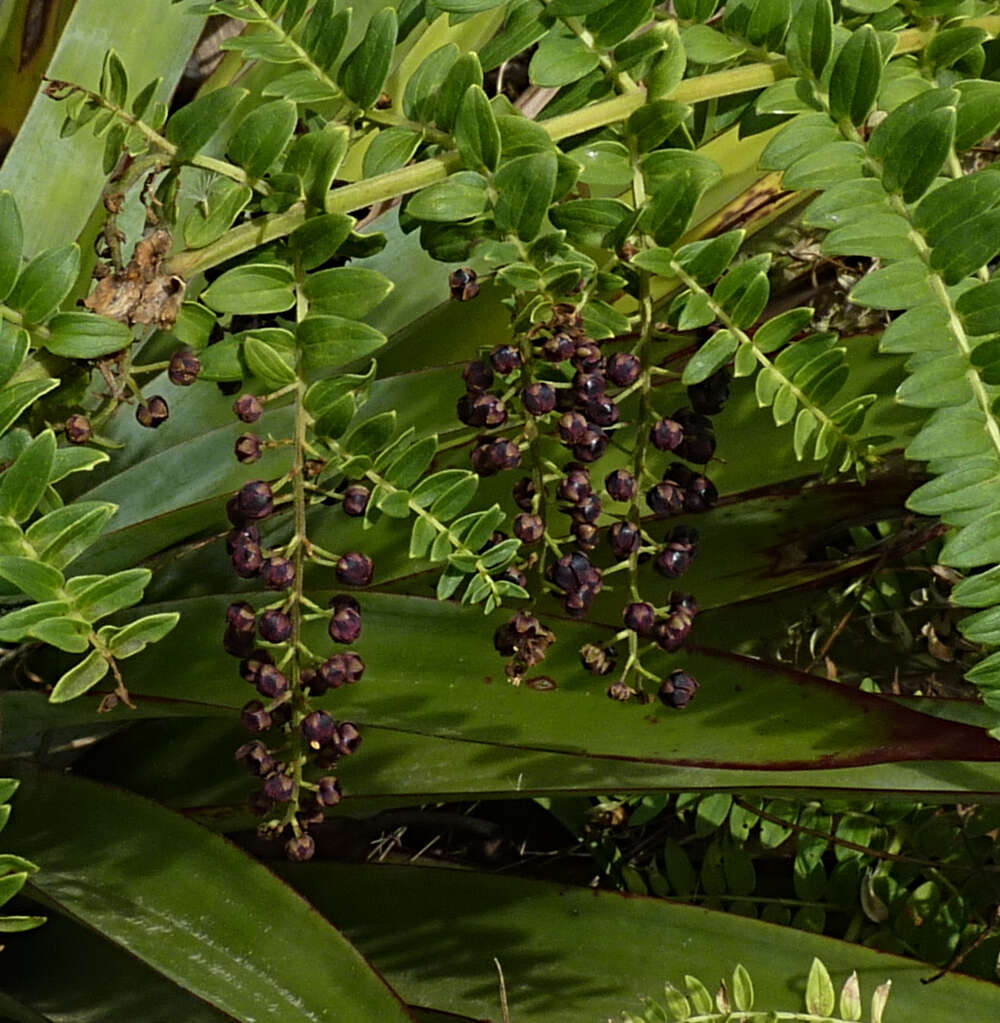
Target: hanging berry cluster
{"x":571,"y":391}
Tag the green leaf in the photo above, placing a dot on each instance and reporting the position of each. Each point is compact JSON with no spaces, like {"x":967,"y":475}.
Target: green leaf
{"x":95,"y":598}
{"x":302,"y":87}
{"x":476,"y":133}
{"x":370,"y":435}
{"x":81,"y":678}
{"x":315,"y":159}
{"x":45,"y":282}
{"x":85,"y":335}
{"x":981,"y":590}
{"x":706,"y":261}
{"x":347,"y":291}
{"x":265,"y":362}
{"x":914,"y":141}
{"x":781,"y":328}
{"x":744,"y":291}
{"x":11,"y":243}
{"x":810,"y":38}
{"x":614,"y":23}
{"x":168,"y":925}
{"x":898,"y":286}
{"x":22,"y":485}
{"x":846,"y":203}
{"x":15,"y":398}
{"x":798,"y":138}
{"x":705,"y":45}
{"x":190,"y":128}
{"x":461,"y":196}
{"x":319,"y":238}
{"x":595,"y":222}
{"x":408,"y":467}
{"x":561,"y":58}
{"x":422,"y":537}
{"x":391,"y":149}
{"x":826,"y":166}
{"x":667,"y":215}
{"x":68,"y":634}
{"x":856,"y":76}
{"x":16,"y":625}
{"x":882,"y":236}
{"x":255,"y":288}
{"x":363,"y":73}
{"x":136,"y":636}
{"x":525,"y":186}
{"x":333,"y":341}
{"x":654,"y":122}
{"x":455,"y":498}
{"x":952,"y":44}
{"x":64,"y":534}
{"x":712,"y":355}
{"x":325,"y":32}
{"x":979,"y":307}
{"x":210,"y":219}
{"x":978,"y":112}
{"x":820,"y":997}
{"x":742,"y":989}
{"x":975,"y":544}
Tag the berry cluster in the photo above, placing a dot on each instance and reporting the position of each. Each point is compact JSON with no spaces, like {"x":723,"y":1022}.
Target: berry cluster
{"x":294,"y":739}
{"x":571,"y":391}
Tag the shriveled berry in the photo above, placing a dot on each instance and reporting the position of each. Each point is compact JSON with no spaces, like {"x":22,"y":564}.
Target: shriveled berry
{"x":640,"y":617}
{"x":529,"y":528}
{"x":278,"y":573}
{"x":666,"y":434}
{"x":356,"y":499}
{"x":328,"y":791}
{"x":349,"y":738}
{"x":247,"y":448}
{"x":240,"y":617}
{"x":463,"y":284}
{"x":256,"y":758}
{"x":318,"y":729}
{"x":678,"y":689}
{"x":512,"y":574}
{"x":575,"y":485}
{"x":78,"y":429}
{"x":154,"y":413}
{"x":620,"y":691}
{"x":666,"y":498}
{"x":524,"y":492}
{"x":279,"y":787}
{"x":478,"y":376}
{"x":254,"y":717}
{"x":620,"y":485}
{"x":670,"y":632}
{"x":505,"y":359}
{"x":623,"y":369}
{"x":248,"y":408}
{"x":275,"y":626}
{"x":598,"y":660}
{"x":345,"y":625}
{"x":248,"y":560}
{"x":184,"y":368}
{"x":312,"y":467}
{"x":625,"y":539}
{"x":300,"y":848}
{"x":355,"y":569}
{"x":255,"y":500}
{"x":558,"y":348}
{"x":539,"y":399}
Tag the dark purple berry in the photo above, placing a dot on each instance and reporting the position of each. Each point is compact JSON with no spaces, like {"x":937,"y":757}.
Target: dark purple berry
{"x":184,"y":369}
{"x":241,"y":618}
{"x":463,"y":284}
{"x":524,"y":492}
{"x":678,"y":689}
{"x":558,"y":348}
{"x":529,"y":528}
{"x":512,"y":574}
{"x":248,"y":408}
{"x":300,"y":848}
{"x":328,"y":791}
{"x":253,"y":663}
{"x":572,"y":428}
{"x":355,"y":569}
{"x":256,"y":758}
{"x":620,"y":485}
{"x":602,"y":412}
{"x":248,"y":560}
{"x":505,"y":359}
{"x":237,"y":644}
{"x":349,"y":738}
{"x":279,"y":787}
{"x":670,"y":632}
{"x":481,"y":409}
{"x":275,"y":626}
{"x":345,"y":625}
{"x":153,"y":413}
{"x":254,"y":717}
{"x":78,"y":429}
{"x":319,"y":729}
{"x":639,"y":617}
{"x":587,"y":358}
{"x":623,"y":369}
{"x":587,"y":509}
{"x":354,"y":667}
{"x":665,"y":499}
{"x":247,"y":448}
{"x":278,"y":573}
{"x":586,"y":535}
{"x":681,"y":546}
{"x":539,"y":399}
{"x":241,"y":536}
{"x":478,"y":376}
{"x":700,"y":494}
{"x":356,"y":499}
{"x":625,"y":539}
{"x":666,"y":434}
{"x":255,"y":500}
{"x":588,"y":386}
{"x":271,"y":683}
{"x":591,"y":446}
{"x":710,"y":396}
{"x":575,"y":486}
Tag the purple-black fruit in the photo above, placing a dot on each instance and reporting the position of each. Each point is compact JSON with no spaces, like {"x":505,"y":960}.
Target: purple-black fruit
{"x":345,"y":624}
{"x":529,"y":528}
{"x":558,"y":348}
{"x":248,"y":408}
{"x":300,"y":848}
{"x":356,"y":499}
{"x":184,"y":369}
{"x":278,"y":573}
{"x":247,"y":448}
{"x":666,"y":498}
{"x":640,"y":617}
{"x":254,"y":717}
{"x":271,"y":683}
{"x":623,"y":369}
{"x":463,"y":284}
{"x":153,"y":413}
{"x":328,"y":791}
{"x":275,"y":626}
{"x":598,"y":660}
{"x":349,"y":738}
{"x":248,"y":560}
{"x":572,"y":428}
{"x":625,"y":539}
{"x":505,"y":359}
{"x":539,"y":399}
{"x":78,"y":429}
{"x":319,"y":729}
{"x":678,"y":689}
{"x":256,"y":758}
{"x":279,"y":787}
{"x":255,"y":500}
{"x":575,"y":486}
{"x":602,"y":412}
{"x":355,"y":569}
{"x":710,"y":396}
{"x":620,"y":485}
{"x":478,"y":376}
{"x":666,"y":434}
{"x":240,"y":617}
{"x":524,"y":492}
